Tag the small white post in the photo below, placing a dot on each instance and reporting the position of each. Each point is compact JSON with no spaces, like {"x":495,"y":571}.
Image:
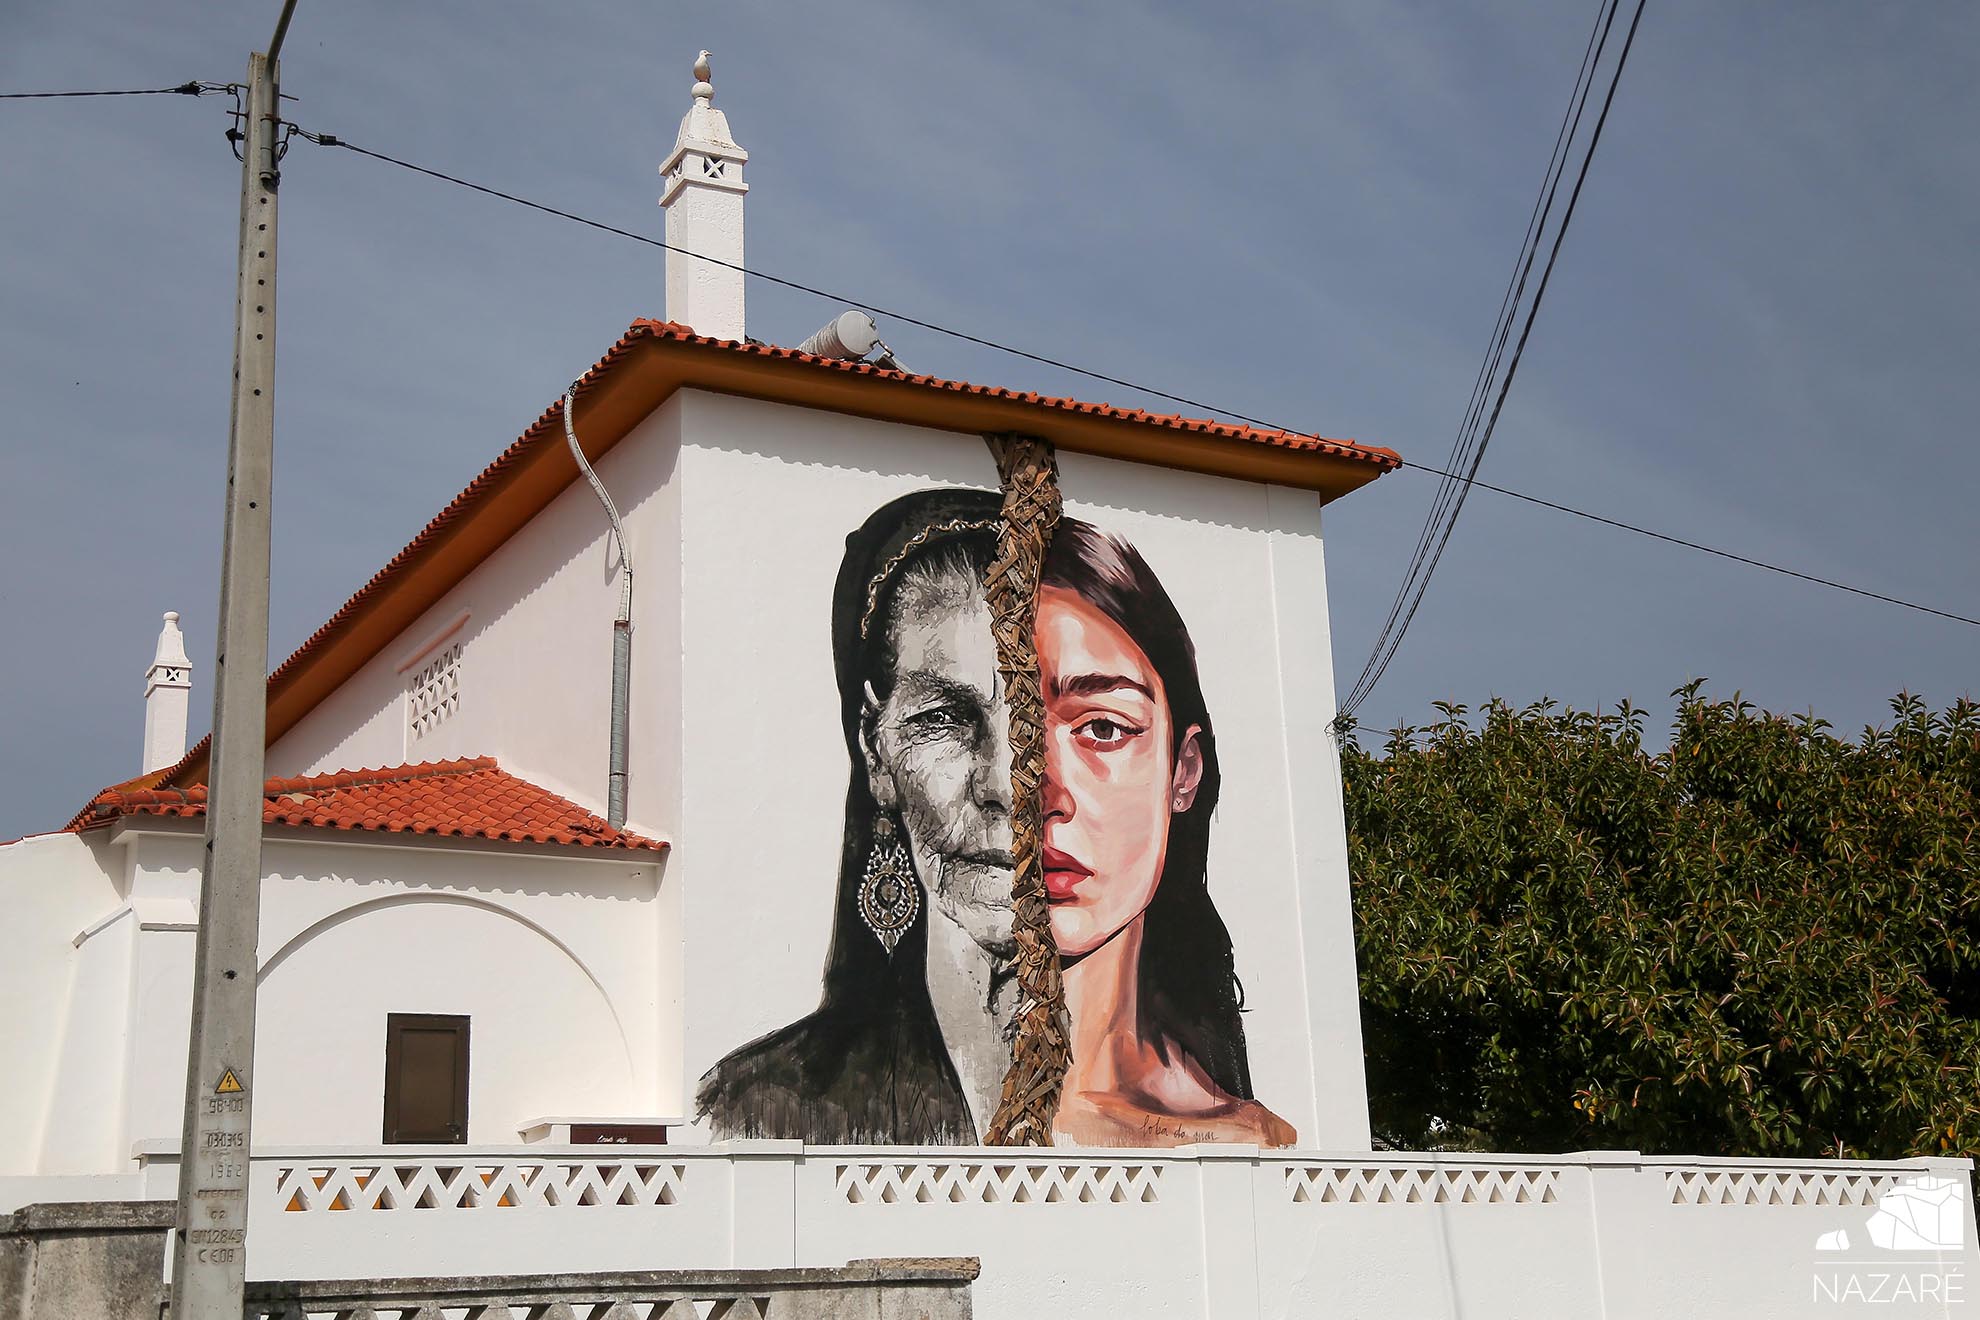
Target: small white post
{"x":1229,"y":1179}
{"x":167,"y":698}
{"x":763,"y":1187}
{"x":703,"y":198}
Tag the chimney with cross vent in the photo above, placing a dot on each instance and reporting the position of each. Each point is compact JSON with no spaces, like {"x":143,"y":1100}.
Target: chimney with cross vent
{"x":703,"y":197}
{"x":167,"y":695}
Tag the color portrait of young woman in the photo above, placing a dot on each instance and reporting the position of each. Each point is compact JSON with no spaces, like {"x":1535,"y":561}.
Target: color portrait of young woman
{"x":1131,"y":785}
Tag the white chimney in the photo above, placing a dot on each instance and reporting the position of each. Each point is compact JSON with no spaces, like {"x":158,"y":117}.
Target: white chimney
{"x":167,"y":694}
{"x":703,"y":197}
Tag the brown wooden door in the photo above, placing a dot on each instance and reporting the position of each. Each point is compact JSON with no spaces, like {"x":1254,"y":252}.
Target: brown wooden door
{"x":426,"y":1078}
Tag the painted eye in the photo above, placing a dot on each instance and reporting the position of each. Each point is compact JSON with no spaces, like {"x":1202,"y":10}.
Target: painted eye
{"x":938,"y":719}
{"x":1105,"y":733}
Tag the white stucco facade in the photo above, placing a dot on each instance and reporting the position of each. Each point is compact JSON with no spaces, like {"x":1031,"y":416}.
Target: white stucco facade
{"x":738,"y":511}
{"x":635,"y":976}
{"x":737,"y":515}
{"x":557,"y":961}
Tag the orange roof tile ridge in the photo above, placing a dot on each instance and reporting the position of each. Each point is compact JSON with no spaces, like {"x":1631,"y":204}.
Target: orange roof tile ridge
{"x":1384,"y":457}
{"x":389,"y":774}
{"x":276,"y":787}
{"x":509,"y":809}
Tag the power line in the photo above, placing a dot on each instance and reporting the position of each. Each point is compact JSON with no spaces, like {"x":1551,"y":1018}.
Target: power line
{"x":183,"y":89}
{"x":1450,"y":491}
{"x":1695,"y":545}
{"x":328,"y":140}
{"x":1390,"y":641}
{"x":1465,"y":480}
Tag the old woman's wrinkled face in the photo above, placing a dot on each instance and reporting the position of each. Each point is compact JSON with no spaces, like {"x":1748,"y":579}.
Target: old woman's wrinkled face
{"x":937,"y":747}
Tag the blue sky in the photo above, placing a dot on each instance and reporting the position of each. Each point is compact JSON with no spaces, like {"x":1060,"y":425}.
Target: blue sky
{"x":1761,"y":334}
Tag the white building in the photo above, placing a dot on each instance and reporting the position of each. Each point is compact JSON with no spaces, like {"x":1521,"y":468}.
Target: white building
{"x":468,"y":977}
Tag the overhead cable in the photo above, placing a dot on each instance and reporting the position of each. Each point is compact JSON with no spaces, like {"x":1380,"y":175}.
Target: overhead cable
{"x":327,"y":140}
{"x":183,"y":89}
{"x":1710,"y":550}
{"x":1444,"y":517}
{"x":1451,"y":489}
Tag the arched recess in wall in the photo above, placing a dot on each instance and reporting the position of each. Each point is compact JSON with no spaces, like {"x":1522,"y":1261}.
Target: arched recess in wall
{"x":356,"y":910}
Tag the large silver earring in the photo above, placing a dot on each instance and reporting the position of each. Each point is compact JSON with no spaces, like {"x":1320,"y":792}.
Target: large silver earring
{"x":889,"y":898}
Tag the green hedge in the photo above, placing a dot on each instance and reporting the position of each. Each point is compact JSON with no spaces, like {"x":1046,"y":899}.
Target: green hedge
{"x":1763,"y":941}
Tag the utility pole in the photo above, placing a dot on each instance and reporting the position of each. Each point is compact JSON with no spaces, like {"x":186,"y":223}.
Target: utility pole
{"x":209,"y":1241}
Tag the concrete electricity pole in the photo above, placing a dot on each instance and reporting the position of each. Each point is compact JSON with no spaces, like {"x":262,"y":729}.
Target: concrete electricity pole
{"x":209,"y":1243}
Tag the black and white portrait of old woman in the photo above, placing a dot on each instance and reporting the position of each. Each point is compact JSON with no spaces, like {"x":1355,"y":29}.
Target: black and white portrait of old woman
{"x":908,"y":1044}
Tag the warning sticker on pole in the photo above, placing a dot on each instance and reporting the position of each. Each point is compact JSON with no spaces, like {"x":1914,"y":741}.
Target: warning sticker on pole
{"x":229,"y":1084}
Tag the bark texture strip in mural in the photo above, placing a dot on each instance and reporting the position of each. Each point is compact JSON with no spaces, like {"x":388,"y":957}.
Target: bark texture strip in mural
{"x":1040,"y":1047}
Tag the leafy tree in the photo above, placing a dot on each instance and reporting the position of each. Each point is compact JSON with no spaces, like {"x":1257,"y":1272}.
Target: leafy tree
{"x":1762,"y":941}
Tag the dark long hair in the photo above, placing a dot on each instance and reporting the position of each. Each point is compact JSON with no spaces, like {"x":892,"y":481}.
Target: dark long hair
{"x":1188,"y":991}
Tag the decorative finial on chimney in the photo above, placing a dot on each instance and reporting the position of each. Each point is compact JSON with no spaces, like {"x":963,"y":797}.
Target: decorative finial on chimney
{"x":703,"y":195}
{"x":167,"y":694}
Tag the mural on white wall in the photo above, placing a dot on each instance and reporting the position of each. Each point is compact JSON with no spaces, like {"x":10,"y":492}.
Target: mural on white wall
{"x":911,"y":1038}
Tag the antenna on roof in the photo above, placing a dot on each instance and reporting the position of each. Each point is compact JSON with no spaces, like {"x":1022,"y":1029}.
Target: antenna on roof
{"x":851,"y":335}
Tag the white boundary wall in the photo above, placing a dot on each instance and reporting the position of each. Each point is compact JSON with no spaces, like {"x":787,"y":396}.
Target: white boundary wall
{"x":1226,"y":1233}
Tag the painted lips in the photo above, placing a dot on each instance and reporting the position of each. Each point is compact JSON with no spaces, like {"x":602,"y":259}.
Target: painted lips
{"x":1063,"y":872}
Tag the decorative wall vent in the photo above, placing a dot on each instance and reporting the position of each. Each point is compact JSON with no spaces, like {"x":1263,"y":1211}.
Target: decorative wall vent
{"x":998,"y":1182}
{"x":1489,"y":1184}
{"x":440,"y":1184}
{"x":433,"y":692}
{"x":1774,"y":1187}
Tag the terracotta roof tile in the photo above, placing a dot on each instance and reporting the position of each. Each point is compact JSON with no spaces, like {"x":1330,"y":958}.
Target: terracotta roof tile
{"x":468,"y":799}
{"x":677,"y":333}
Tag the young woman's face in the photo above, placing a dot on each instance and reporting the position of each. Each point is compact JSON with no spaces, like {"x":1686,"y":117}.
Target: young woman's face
{"x":1111,"y":779}
{"x":937,"y":751}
